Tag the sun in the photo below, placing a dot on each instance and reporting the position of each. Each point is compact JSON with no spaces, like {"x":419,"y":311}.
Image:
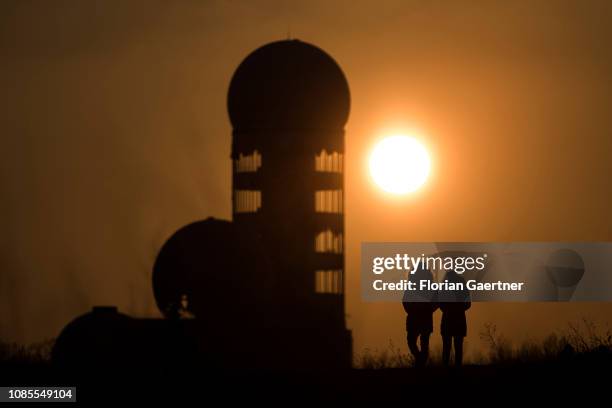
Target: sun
{"x":399,"y":164}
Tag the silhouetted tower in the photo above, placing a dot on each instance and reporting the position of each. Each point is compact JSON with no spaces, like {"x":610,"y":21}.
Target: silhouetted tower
{"x":288,"y":103}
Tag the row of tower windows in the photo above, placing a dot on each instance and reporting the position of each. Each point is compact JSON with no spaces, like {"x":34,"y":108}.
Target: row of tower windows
{"x":248,"y":163}
{"x":324,"y":162}
{"x":247,"y":201}
{"x":329,"y":201}
{"x":326,"y":201}
{"x":328,"y":281}
{"x":328,"y":242}
{"x":329,"y":162}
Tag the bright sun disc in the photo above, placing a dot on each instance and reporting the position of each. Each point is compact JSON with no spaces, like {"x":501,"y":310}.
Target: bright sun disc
{"x":399,"y":164}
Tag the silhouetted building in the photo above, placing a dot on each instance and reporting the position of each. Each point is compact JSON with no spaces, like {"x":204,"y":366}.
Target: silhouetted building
{"x":268,"y":289}
{"x":210,"y":266}
{"x":288,"y":102}
{"x":106,"y":340}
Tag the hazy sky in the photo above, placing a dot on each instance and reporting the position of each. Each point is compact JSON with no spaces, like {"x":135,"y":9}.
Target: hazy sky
{"x":115,"y":134}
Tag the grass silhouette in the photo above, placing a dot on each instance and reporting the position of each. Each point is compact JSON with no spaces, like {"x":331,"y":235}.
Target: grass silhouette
{"x":34,"y":353}
{"x":571,"y":359}
{"x":579,"y":339}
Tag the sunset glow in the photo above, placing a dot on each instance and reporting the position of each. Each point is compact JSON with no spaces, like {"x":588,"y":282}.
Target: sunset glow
{"x":399,"y":164}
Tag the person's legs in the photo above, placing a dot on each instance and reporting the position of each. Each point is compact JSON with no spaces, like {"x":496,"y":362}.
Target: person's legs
{"x":458,"y":350}
{"x":424,"y":347}
{"x":411,"y":338}
{"x":446,"y":349}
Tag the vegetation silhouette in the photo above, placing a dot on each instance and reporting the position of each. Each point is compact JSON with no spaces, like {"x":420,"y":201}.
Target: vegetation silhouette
{"x":560,"y":367}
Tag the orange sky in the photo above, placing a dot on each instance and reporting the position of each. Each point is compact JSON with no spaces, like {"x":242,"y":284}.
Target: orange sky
{"x":115,"y":134}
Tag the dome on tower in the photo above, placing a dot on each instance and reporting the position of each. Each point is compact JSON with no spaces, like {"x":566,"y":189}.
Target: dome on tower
{"x":288,"y":85}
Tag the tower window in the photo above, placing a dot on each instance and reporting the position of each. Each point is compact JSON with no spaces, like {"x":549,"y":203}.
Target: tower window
{"x":329,"y":162}
{"x":328,"y":281}
{"x":247,"y":201}
{"x":327,"y":241}
{"x":329,"y":201}
{"x":248,"y":163}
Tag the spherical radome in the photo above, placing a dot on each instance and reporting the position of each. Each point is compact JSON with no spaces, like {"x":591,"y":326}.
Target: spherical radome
{"x":214,"y":264}
{"x":288,"y":85}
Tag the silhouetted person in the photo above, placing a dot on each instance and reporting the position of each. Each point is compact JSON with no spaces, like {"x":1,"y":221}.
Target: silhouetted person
{"x":454,"y":325}
{"x":419,"y":306}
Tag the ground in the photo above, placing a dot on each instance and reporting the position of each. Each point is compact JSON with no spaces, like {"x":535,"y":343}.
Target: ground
{"x":581,"y":377}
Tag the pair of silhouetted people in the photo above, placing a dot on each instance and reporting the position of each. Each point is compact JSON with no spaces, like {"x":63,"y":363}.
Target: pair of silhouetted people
{"x":420,"y":306}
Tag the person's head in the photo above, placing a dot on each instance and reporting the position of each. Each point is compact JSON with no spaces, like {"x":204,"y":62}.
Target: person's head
{"x":421,"y":274}
{"x":457,"y":295}
{"x":453,"y":276}
{"x":418,"y":294}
